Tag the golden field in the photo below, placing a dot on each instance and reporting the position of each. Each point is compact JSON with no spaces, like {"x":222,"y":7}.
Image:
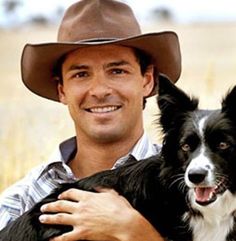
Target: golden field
{"x":31,"y":127}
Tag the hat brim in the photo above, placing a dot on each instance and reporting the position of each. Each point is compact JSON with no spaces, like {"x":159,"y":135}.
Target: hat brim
{"x":38,"y":60}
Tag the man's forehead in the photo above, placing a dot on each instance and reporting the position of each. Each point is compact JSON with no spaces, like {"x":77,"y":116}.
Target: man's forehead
{"x":109,"y":54}
{"x":110,"y":49}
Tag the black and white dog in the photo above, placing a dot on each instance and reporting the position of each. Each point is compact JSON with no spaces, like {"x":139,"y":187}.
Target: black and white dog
{"x":188,"y":192}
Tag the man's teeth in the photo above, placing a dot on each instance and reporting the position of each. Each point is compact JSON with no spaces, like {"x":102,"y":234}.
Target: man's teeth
{"x":103,"y":109}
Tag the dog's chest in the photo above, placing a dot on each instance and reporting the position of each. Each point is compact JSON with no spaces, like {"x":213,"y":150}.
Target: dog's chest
{"x":215,"y":231}
{"x":203,"y":231}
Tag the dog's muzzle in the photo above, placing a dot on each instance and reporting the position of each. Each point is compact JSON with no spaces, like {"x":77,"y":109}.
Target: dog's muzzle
{"x":205,"y":185}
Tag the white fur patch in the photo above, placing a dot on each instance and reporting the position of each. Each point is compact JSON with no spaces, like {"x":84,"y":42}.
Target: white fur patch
{"x":201,"y":160}
{"x":217,"y":219}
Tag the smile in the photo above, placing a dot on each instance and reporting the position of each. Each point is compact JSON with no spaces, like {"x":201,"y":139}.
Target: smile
{"x":105,"y":109}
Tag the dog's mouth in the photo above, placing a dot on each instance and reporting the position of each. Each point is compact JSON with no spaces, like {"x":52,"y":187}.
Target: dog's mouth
{"x":207,"y":195}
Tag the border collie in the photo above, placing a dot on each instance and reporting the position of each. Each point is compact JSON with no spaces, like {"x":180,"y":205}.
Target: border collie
{"x":187,"y":191}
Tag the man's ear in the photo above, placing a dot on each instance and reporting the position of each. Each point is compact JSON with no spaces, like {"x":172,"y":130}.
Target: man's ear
{"x":61,"y":94}
{"x":148,"y":83}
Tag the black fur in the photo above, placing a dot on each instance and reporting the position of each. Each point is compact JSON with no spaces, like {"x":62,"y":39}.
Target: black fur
{"x":155,"y":186}
{"x":137,"y":181}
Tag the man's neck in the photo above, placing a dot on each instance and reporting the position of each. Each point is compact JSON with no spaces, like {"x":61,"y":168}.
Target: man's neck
{"x":90,"y":159}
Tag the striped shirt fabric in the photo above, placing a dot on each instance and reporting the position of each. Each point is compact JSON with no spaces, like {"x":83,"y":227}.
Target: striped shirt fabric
{"x":41,"y":180}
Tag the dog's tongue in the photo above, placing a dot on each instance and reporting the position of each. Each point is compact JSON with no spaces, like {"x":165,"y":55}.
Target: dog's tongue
{"x":204,"y":194}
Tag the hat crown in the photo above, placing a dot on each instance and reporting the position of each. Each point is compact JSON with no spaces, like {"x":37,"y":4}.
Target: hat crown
{"x":98,"y":19}
{"x":93,"y":23}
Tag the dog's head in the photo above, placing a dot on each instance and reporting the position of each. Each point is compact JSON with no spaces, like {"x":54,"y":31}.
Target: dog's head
{"x":199,"y":146}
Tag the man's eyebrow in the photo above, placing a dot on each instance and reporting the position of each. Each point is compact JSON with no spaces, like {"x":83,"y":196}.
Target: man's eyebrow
{"x":112,"y":64}
{"x":77,"y":67}
{"x":117,"y":64}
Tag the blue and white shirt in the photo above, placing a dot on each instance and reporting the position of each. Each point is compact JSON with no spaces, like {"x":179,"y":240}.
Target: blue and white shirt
{"x":41,"y":180}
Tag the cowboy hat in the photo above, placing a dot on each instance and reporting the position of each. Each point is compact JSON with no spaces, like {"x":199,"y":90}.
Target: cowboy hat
{"x":96,"y":22}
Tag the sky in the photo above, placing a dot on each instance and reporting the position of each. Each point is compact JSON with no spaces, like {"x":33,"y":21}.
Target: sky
{"x":190,"y":10}
{"x":183,"y":11}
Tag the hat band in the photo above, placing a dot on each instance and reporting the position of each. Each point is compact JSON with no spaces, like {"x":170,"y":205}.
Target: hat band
{"x":94,"y":40}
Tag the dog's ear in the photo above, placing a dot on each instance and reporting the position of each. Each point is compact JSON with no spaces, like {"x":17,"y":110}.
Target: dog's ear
{"x":172,"y":102}
{"x":229,"y":103}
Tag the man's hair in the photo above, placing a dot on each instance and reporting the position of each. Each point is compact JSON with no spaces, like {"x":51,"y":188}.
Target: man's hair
{"x":143,"y":59}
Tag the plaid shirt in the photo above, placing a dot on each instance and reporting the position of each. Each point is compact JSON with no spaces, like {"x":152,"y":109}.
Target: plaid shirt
{"x":40,"y":181}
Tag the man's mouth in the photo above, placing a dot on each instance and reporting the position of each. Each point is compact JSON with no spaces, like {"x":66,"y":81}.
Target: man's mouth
{"x":104,"y":109}
{"x":207,"y":195}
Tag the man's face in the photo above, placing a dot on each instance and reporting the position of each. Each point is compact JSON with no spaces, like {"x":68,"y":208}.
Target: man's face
{"x":104,"y":90}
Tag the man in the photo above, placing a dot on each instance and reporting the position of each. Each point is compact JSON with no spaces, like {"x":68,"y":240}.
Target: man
{"x":103,"y":69}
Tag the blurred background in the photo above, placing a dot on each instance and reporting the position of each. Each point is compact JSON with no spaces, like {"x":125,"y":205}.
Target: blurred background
{"x":31,"y":127}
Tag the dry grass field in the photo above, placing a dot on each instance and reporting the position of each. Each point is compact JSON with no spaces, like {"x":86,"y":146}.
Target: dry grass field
{"x":31,"y":127}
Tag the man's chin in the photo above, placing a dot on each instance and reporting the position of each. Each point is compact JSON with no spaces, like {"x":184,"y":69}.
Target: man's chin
{"x":107,"y":136}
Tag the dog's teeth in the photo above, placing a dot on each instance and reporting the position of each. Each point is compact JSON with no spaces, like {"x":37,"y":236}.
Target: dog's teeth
{"x":210,"y":196}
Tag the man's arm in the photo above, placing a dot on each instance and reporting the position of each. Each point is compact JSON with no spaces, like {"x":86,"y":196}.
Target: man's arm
{"x":12,"y":203}
{"x":98,"y":216}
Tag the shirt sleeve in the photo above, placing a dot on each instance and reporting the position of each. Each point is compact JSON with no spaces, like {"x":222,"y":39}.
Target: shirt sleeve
{"x":12,"y":203}
{"x":21,"y":196}
{"x":16,"y":199}
{"x":5,"y":218}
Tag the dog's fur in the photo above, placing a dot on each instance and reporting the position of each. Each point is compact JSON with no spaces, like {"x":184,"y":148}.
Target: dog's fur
{"x":187,"y":192}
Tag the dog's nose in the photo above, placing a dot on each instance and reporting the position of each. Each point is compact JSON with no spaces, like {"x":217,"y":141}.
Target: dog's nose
{"x":198,"y":175}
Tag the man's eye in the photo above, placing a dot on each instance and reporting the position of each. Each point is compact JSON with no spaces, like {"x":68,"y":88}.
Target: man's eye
{"x":80,"y":74}
{"x":118,"y":71}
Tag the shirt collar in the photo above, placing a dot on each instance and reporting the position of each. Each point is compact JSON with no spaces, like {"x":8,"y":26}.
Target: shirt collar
{"x":67,"y":149}
{"x":144,"y":148}
{"x":60,"y":157}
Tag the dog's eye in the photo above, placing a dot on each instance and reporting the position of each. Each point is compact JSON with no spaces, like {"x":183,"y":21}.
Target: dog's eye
{"x":185,"y":147}
{"x":223,"y":145}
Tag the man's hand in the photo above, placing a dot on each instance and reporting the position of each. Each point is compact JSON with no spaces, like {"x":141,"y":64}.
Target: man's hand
{"x":98,"y":216}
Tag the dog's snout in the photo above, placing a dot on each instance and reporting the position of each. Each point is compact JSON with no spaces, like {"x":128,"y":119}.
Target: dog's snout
{"x":198,"y":175}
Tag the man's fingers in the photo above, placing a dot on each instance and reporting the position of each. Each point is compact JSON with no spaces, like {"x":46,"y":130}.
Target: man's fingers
{"x":67,"y":201}
{"x":58,"y":206}
{"x":75,"y":195}
{"x":59,"y":218}
{"x":107,"y":190}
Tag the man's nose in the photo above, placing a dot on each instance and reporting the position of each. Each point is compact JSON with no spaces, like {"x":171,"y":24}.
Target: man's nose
{"x":100,"y":87}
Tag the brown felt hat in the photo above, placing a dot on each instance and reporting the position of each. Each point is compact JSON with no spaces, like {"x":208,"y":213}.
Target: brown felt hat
{"x":96,"y":22}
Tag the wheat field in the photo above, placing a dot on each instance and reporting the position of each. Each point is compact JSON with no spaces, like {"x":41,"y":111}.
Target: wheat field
{"x":31,"y":126}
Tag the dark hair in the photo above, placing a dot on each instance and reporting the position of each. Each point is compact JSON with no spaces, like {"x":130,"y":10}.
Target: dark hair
{"x":57,"y":69}
{"x":145,"y":61}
